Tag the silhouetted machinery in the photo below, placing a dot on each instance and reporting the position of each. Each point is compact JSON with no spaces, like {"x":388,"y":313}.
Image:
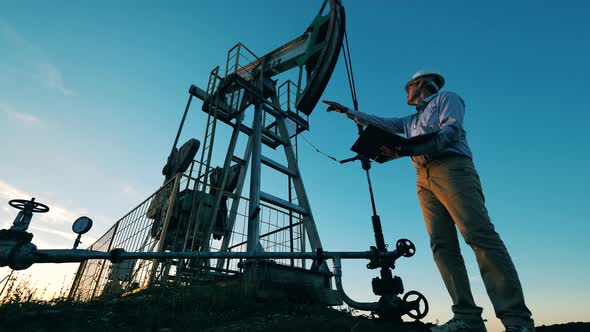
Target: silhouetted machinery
{"x":190,"y":200}
{"x":186,"y":223}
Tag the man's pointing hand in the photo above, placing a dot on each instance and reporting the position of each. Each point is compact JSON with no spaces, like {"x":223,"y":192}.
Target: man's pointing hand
{"x":336,"y":107}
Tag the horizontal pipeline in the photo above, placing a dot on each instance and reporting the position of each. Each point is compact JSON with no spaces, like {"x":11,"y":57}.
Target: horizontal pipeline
{"x":116,"y":255}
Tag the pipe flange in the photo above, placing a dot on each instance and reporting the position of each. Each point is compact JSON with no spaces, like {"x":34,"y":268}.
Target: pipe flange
{"x":15,"y":236}
{"x":320,"y":256}
{"x":115,"y":255}
{"x":20,"y":251}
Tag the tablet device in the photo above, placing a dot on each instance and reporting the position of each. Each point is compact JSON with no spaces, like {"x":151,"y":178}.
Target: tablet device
{"x":372,"y":139}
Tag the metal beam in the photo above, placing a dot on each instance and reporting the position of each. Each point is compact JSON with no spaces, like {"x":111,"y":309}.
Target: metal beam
{"x":272,"y":143}
{"x":278,"y":230}
{"x":254,"y":203}
{"x":283,"y":203}
{"x":169,"y":209}
{"x":308,"y":220}
{"x":273,"y":136}
{"x":273,"y":164}
{"x":233,"y":212}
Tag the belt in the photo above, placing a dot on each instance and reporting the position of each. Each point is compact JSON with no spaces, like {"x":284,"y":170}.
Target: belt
{"x":442,"y":157}
{"x":448,"y":155}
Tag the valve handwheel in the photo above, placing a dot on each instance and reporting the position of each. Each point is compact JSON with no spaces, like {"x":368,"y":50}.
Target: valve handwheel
{"x":22,"y":204}
{"x":418,"y":307}
{"x":406,"y":247}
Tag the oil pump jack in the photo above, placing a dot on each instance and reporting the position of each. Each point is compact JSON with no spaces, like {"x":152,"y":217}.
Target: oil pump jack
{"x":186,"y":231}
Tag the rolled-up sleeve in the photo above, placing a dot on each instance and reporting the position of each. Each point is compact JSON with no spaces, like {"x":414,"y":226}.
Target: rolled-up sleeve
{"x":393,"y":125}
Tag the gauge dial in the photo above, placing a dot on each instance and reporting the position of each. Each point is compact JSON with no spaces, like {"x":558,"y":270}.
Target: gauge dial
{"x":82,"y":225}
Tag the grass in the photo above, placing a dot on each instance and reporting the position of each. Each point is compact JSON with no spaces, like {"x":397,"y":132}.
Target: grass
{"x":208,"y":308}
{"x":166,"y":309}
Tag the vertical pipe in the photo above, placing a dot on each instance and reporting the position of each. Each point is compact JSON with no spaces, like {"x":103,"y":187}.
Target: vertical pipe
{"x":254,"y":205}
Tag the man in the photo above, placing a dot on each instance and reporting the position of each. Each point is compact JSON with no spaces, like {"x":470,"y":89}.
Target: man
{"x":450,"y":195}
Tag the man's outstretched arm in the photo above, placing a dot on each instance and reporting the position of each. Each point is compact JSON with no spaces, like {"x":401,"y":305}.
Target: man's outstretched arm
{"x":393,"y":125}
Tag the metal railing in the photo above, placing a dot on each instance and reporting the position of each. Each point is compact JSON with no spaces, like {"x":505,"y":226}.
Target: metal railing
{"x":142,"y":228}
{"x":133,"y":232}
{"x":238,"y":57}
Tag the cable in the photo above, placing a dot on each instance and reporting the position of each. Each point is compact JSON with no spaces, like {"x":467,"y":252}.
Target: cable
{"x":318,"y":150}
{"x":349,"y":71}
{"x":351,"y":85}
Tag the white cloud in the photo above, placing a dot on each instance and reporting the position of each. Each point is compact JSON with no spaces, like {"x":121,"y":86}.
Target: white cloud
{"x":67,"y":237}
{"x":60,"y":215}
{"x":23,"y":117}
{"x":65,"y":241}
{"x":53,"y":77}
{"x":10,"y":192}
{"x":31,"y":59}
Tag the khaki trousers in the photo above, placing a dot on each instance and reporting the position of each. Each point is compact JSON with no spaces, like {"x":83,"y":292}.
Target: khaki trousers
{"x":450,"y":195}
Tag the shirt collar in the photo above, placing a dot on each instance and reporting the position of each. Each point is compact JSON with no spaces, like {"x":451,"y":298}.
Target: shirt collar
{"x":420,"y":107}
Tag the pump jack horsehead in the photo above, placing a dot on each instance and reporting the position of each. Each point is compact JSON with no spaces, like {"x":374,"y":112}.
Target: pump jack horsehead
{"x":185,"y":223}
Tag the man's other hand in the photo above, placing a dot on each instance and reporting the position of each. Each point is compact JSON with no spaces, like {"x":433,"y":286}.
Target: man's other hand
{"x":396,"y":151}
{"x":336,"y":107}
{"x":391,"y":153}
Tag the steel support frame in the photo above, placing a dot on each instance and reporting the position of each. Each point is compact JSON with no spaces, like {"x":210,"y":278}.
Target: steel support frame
{"x":255,"y":170}
{"x":233,"y":212}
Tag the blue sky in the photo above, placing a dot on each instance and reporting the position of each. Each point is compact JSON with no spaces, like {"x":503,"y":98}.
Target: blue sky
{"x":91,"y":95}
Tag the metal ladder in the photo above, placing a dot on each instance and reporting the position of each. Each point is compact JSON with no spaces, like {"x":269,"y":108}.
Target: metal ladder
{"x":207,"y":149}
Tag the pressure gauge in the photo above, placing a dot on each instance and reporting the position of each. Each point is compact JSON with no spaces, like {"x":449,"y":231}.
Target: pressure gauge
{"x":82,"y":225}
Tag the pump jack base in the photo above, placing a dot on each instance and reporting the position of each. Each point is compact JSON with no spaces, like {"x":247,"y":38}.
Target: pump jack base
{"x":267,"y":279}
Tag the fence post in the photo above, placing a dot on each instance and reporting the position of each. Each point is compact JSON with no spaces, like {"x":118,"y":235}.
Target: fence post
{"x":104,"y":260}
{"x":165,"y":226}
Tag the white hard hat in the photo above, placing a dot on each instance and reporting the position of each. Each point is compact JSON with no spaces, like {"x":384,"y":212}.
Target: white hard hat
{"x":434,"y":77}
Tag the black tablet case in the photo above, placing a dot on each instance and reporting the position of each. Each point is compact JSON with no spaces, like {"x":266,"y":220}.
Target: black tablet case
{"x":373,"y":138}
